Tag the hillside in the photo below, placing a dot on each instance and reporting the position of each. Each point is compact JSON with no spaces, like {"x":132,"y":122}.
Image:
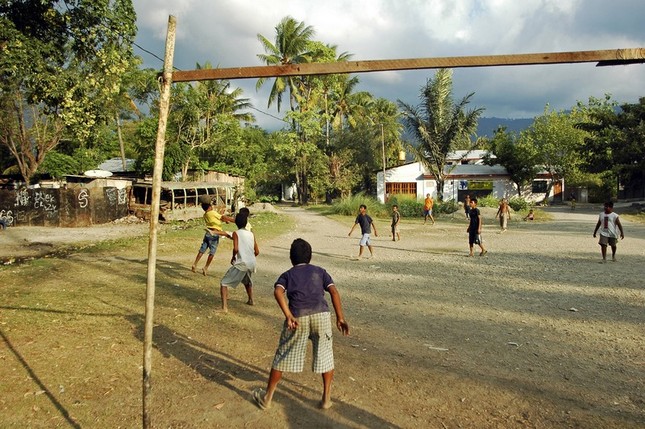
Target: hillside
{"x":487,"y":126}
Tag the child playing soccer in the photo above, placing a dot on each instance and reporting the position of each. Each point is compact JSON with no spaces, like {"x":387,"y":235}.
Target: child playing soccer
{"x":609,"y":225}
{"x":245,"y":250}
{"x":306,"y":317}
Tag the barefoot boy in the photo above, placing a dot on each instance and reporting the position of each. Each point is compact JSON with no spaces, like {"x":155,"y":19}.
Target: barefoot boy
{"x":474,"y":229}
{"x":306,"y":317}
{"x":243,"y":261}
{"x":396,"y":218}
{"x":609,"y":232}
{"x":365,"y":221}
{"x":213,"y":221}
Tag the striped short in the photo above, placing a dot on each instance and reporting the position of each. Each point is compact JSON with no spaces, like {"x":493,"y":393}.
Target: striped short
{"x":292,"y":349}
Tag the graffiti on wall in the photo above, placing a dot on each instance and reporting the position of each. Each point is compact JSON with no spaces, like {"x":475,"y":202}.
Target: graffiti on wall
{"x":7,"y":217}
{"x":62,"y":207}
{"x":83,"y":199}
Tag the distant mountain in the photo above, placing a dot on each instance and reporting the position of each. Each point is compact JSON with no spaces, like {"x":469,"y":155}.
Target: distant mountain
{"x":487,"y":126}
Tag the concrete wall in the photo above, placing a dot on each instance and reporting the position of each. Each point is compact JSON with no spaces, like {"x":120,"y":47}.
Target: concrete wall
{"x":63,"y":207}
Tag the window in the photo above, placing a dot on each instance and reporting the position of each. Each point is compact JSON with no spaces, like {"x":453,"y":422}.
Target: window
{"x":539,"y":187}
{"x":401,"y":188}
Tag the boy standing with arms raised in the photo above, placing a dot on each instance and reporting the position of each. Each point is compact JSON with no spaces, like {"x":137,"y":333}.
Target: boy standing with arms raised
{"x":609,"y":232}
{"x":306,"y":317}
{"x":365,"y":221}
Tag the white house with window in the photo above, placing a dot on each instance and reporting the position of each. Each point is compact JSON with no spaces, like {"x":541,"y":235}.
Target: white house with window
{"x":466,"y":174}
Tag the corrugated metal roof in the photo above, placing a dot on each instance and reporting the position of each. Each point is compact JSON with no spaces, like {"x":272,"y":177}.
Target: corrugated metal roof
{"x":187,"y":185}
{"x":115,"y":165}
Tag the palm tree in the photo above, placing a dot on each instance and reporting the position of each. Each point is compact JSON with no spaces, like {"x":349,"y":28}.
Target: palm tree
{"x":439,"y":125}
{"x":291,"y":43}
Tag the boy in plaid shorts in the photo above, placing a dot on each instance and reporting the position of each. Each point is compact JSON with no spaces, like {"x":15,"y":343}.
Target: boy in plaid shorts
{"x":306,"y":317}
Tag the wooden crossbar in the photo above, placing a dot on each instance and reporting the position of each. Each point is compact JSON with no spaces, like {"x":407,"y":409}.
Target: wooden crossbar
{"x":603,"y":57}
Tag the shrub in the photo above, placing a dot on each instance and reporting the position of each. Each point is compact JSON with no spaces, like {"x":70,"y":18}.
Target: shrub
{"x":488,"y":201}
{"x":408,"y":205}
{"x":268,"y":199}
{"x":446,"y":207}
{"x":518,"y":204}
{"x":349,"y":206}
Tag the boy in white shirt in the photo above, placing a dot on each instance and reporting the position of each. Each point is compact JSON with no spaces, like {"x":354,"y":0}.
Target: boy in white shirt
{"x":610,"y":224}
{"x":243,"y":261}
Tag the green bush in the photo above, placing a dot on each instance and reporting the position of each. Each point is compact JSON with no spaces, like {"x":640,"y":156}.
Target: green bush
{"x":349,"y":206}
{"x":446,"y":207}
{"x":488,"y":201}
{"x":518,"y":204}
{"x":408,"y":205}
{"x":268,"y":199}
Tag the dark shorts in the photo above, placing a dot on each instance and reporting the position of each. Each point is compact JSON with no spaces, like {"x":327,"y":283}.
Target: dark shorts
{"x":474,"y":238}
{"x":210,"y":242}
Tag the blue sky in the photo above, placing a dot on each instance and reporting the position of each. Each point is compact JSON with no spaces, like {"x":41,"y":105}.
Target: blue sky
{"x":224,"y":33}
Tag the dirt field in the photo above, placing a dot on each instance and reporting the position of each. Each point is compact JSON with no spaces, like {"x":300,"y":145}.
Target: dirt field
{"x":536,"y":334}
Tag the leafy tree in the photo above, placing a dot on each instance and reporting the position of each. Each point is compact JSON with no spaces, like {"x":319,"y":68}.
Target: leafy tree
{"x":615,"y":145}
{"x":558,"y":142}
{"x":630,"y":158}
{"x":514,"y":154}
{"x":61,"y":67}
{"x":439,"y":125}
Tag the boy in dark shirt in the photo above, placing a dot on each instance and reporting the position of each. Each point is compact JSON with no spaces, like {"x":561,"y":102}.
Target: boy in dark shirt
{"x":306,"y":317}
{"x":475,"y":228}
{"x":365,"y":221}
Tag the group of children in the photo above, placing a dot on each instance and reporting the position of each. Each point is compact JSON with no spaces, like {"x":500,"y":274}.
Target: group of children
{"x":300,"y":291}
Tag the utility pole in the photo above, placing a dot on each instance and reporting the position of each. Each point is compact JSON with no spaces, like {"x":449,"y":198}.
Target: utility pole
{"x":383,"y":147}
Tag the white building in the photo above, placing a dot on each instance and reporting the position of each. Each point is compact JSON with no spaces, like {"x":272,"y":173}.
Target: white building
{"x":465,"y":174}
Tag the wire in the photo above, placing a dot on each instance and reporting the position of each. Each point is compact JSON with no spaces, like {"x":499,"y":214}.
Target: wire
{"x":268,"y":114}
{"x":178,"y":69}
{"x":154,"y":55}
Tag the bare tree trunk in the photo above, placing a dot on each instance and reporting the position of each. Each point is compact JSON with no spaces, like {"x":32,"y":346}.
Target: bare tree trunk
{"x":121,"y":147}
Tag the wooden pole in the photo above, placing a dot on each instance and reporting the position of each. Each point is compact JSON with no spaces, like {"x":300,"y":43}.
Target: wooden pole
{"x":164,"y":106}
{"x":383,"y":147}
{"x":602,"y":57}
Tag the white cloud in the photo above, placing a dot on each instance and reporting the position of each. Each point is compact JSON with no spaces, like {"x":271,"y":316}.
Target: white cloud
{"x":224,"y":32}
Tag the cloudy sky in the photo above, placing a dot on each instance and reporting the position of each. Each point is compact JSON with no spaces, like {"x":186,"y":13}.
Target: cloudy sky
{"x":224,"y":33}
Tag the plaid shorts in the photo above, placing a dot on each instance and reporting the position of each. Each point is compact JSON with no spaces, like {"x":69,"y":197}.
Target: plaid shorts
{"x":292,"y":349}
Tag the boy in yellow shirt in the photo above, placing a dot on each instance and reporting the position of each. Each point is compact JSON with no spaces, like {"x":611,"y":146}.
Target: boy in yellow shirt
{"x":213,"y":221}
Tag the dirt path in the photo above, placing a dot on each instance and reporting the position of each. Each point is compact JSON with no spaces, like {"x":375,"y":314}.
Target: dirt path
{"x":537,"y":334}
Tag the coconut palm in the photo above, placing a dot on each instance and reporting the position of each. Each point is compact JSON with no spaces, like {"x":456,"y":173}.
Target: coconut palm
{"x":439,"y":125}
{"x":290,"y":47}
